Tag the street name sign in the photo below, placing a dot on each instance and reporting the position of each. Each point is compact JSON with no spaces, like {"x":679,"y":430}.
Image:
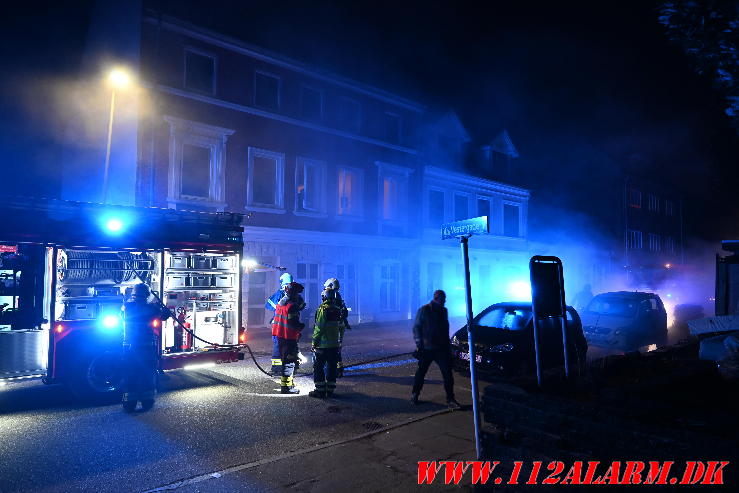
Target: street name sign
{"x":466,"y":227}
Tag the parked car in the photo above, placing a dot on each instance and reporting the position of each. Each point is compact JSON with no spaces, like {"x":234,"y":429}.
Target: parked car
{"x":625,"y":320}
{"x":504,"y":341}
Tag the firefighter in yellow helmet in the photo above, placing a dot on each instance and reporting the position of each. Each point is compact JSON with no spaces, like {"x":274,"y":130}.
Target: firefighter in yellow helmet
{"x":328,"y":333}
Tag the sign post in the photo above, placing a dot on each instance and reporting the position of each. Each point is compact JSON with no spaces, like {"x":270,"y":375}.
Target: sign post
{"x":464,"y":230}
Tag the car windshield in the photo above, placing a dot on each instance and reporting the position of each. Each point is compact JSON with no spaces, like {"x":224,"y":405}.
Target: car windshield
{"x":513,"y":318}
{"x":613,"y":305}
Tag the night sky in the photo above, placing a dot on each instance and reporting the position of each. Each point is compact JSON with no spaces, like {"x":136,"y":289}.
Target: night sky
{"x":583,"y":90}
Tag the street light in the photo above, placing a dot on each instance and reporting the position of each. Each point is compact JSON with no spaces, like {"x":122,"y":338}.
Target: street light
{"x":118,"y":78}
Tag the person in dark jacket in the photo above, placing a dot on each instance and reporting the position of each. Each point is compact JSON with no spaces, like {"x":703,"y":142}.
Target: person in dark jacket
{"x":142,"y":322}
{"x":431,"y":332}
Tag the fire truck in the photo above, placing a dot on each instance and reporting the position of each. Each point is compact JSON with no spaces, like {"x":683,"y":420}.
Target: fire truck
{"x":66,"y":269}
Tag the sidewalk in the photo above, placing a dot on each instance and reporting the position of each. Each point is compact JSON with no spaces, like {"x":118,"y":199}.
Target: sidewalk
{"x":379,"y":460}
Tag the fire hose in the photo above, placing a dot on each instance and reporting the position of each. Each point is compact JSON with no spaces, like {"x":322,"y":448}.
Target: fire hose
{"x":244,"y":345}
{"x":192,"y":333}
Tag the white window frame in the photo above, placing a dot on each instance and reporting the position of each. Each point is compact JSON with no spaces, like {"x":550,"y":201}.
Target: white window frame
{"x":400,"y":174}
{"x":357,"y":126}
{"x":359,"y":214}
{"x":400,"y":128}
{"x":395,"y":305}
{"x":304,"y":162}
{"x":519,"y":206}
{"x":279,"y":203}
{"x":427,"y":205}
{"x":183,"y":132}
{"x":323,"y":102}
{"x":279,"y":90}
{"x":197,"y":51}
{"x":654,"y":242}
{"x":669,"y":207}
{"x":669,"y":244}
{"x":634,"y":239}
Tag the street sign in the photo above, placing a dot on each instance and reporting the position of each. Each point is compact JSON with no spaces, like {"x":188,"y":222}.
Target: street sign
{"x":466,"y":227}
{"x":464,"y":230}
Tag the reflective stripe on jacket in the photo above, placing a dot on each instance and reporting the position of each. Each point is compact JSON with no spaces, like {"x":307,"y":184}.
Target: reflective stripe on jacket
{"x":328,"y":330}
{"x":286,"y":324}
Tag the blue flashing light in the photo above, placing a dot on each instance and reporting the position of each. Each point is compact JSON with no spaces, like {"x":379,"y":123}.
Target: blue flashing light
{"x":114,"y":225}
{"x":519,"y":291}
{"x":111,"y":321}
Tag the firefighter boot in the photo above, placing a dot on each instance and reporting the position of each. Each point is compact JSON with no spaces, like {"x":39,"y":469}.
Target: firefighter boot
{"x":320,"y":391}
{"x":287,"y":387}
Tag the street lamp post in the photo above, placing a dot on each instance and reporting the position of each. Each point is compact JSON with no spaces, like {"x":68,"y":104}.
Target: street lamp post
{"x":118,"y":79}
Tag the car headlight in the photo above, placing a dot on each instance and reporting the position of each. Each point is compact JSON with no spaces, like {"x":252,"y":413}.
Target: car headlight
{"x":502,"y":348}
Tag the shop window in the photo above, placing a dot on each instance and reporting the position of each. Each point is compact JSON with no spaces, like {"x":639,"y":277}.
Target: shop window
{"x":389,"y":280}
{"x":634,"y":239}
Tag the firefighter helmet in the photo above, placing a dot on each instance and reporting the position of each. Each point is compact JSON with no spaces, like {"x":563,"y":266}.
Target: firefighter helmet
{"x":285,"y":279}
{"x":141,"y":290}
{"x":331,"y":284}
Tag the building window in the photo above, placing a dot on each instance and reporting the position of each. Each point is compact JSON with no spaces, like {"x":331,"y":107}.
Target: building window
{"x":200,"y":72}
{"x":307,"y":275}
{"x":346,"y":274}
{"x":511,"y":220}
{"x":349,"y":114}
{"x":266,"y":91}
{"x":310,"y":185}
{"x":195,"y":182}
{"x":634,"y":198}
{"x":654,"y":243}
{"x":634,"y":239}
{"x":461,"y":207}
{"x":311,"y":103}
{"x":390,"y":199}
{"x":196,"y":163}
{"x":669,"y":208}
{"x":266,"y":171}
{"x":392,"y":128}
{"x":350,"y":192}
{"x":483,"y":208}
{"x":436,"y":208}
{"x":389,"y":279}
{"x":653,"y":202}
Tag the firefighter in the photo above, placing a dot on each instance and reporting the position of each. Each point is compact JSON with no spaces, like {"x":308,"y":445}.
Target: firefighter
{"x":332,"y":284}
{"x":328,"y":332}
{"x":142,"y":322}
{"x":271,"y":304}
{"x":286,"y":327}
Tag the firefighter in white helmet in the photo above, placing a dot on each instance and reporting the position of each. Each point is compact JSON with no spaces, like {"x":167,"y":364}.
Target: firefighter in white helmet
{"x":271,"y":304}
{"x":332,"y":285}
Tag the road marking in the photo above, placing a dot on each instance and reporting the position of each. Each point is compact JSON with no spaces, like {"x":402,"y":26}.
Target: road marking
{"x":251,"y":465}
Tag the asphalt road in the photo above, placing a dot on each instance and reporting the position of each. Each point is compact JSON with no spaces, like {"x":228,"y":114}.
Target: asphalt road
{"x":204,"y":420}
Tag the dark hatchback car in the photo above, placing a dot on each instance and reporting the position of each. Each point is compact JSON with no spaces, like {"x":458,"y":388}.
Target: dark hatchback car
{"x":625,"y":320}
{"x":504,"y":344}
